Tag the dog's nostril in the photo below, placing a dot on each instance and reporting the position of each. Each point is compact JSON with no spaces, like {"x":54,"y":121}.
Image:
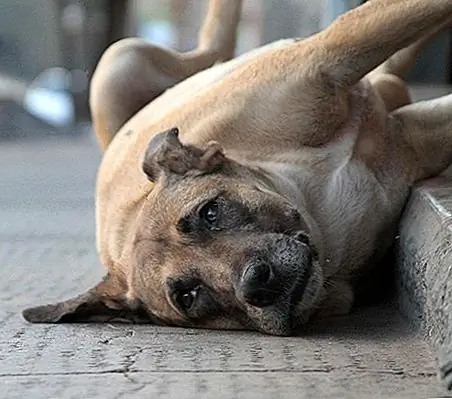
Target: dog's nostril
{"x":257,"y":285}
{"x":259,"y":274}
{"x":264,"y":274}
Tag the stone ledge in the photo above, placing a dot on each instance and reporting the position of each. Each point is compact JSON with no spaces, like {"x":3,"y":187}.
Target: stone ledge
{"x":424,"y":261}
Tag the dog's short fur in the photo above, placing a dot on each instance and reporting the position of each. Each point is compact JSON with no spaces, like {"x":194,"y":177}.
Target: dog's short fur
{"x":249,"y":194}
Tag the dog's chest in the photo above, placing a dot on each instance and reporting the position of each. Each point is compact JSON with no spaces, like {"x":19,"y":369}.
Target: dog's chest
{"x":354,"y":213}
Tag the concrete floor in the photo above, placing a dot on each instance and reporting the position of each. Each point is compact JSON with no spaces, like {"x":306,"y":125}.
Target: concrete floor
{"x":47,"y":253}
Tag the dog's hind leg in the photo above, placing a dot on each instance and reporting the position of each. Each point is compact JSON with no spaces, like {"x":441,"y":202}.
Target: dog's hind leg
{"x":424,"y":137}
{"x":133,"y":72}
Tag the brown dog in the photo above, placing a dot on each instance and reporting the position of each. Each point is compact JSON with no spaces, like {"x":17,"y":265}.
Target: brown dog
{"x":250,"y":194}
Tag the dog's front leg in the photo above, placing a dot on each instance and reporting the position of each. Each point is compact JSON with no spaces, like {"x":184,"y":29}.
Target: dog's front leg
{"x":303,"y":93}
{"x":365,"y":37}
{"x":388,"y":78}
{"x":419,"y":140}
{"x":337,"y":299}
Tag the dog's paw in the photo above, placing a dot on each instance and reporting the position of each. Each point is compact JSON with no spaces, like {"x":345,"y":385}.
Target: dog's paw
{"x":338,"y":299}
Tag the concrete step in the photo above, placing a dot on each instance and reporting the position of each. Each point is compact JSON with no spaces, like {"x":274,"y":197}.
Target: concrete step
{"x":424,"y":264}
{"x":424,"y":257}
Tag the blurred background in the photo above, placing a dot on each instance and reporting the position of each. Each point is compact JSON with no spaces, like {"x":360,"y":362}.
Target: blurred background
{"x":49,"y":49}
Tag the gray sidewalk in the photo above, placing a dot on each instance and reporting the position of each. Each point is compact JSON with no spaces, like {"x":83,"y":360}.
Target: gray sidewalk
{"x":47,"y":252}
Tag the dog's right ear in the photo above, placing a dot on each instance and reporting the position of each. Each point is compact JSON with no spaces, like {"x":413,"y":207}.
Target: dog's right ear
{"x":106,"y":302}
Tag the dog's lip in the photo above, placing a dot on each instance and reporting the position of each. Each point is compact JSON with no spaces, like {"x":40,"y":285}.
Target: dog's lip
{"x":301,"y":284}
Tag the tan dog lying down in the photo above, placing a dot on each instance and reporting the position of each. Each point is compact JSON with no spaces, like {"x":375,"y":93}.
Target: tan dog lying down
{"x":252,"y":193}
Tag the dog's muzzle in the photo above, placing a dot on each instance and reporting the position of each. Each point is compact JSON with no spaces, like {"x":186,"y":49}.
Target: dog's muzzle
{"x":274,"y":280}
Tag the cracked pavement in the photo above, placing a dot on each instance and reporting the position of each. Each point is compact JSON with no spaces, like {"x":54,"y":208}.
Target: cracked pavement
{"x":47,"y":253}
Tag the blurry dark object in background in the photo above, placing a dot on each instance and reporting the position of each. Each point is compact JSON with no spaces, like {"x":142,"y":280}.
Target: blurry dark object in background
{"x":45,"y":69}
{"x":86,"y":28}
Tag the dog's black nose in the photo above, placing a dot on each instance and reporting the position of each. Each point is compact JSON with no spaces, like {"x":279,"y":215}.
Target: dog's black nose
{"x":258,"y":285}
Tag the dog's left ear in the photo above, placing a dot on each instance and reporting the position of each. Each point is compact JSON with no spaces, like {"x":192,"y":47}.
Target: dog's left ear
{"x":165,"y":153}
{"x":106,"y":302}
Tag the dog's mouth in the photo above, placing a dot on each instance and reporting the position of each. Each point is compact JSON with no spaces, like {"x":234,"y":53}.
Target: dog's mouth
{"x":301,"y":284}
{"x":308,"y":279}
{"x":305,"y":296}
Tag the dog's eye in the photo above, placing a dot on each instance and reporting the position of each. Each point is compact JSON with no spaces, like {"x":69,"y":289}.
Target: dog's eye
{"x":209,"y":213}
{"x":185,"y":300}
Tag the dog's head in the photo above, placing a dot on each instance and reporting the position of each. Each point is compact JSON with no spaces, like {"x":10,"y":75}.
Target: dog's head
{"x":213,"y":247}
